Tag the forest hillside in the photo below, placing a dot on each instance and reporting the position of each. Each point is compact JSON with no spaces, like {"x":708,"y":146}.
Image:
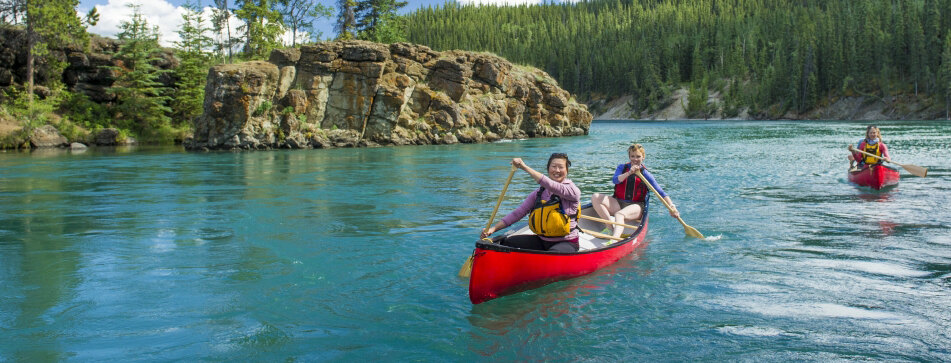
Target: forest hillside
{"x":768,"y":57}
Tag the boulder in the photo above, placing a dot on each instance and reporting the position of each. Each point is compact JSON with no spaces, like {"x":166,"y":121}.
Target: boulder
{"x":106,"y":137}
{"x":47,"y":136}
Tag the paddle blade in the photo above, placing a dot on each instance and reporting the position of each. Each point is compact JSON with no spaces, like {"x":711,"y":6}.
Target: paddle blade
{"x":916,"y":170}
{"x":466,"y":269}
{"x":692,"y":232}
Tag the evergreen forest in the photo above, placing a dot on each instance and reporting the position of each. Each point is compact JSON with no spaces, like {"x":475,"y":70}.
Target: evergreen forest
{"x":772,"y":56}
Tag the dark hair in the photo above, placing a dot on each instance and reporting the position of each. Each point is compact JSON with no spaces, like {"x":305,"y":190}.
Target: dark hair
{"x":558,"y":156}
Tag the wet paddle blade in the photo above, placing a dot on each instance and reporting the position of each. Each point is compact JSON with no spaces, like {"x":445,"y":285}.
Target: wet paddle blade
{"x":466,"y":269}
{"x":693,"y":232}
{"x":915,"y":170}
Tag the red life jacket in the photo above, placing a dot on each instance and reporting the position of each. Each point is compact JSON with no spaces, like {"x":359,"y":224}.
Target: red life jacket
{"x":631,"y":189}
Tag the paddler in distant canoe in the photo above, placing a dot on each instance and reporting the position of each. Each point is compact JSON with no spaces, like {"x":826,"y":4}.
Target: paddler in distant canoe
{"x":872,"y":144}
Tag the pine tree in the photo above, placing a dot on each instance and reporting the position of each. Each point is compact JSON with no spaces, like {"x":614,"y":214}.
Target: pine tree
{"x":378,"y":21}
{"x":263,"y":27}
{"x":49,"y":24}
{"x":140,"y":103}
{"x":346,"y":19}
{"x":193,"y":70}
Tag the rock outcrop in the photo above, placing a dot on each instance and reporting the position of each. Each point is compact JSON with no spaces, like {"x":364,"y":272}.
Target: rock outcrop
{"x":85,"y":70}
{"x":356,"y":93}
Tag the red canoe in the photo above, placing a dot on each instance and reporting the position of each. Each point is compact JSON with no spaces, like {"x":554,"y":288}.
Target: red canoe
{"x":501,"y":270}
{"x":875,"y":177}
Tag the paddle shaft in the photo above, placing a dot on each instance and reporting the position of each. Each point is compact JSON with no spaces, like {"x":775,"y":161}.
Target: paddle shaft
{"x":601,"y":235}
{"x":651,"y":187}
{"x":606,"y":221}
{"x":852,"y":149}
{"x":693,"y":232}
{"x":466,"y":269}
{"x":501,"y":196}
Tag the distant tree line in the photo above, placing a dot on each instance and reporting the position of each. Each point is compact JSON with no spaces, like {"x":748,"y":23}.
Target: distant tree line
{"x":771,"y":55}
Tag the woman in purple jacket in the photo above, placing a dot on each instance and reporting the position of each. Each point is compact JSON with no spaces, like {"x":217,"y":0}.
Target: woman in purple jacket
{"x":555,"y":186}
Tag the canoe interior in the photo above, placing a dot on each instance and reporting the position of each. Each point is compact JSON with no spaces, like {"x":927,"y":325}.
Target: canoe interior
{"x":586,"y":242}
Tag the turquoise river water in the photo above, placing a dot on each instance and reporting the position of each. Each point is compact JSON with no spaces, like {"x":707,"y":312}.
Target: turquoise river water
{"x":156,"y":254}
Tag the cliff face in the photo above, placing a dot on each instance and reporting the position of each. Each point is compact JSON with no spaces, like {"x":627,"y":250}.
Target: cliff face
{"x":84,"y":70}
{"x":355,"y":93}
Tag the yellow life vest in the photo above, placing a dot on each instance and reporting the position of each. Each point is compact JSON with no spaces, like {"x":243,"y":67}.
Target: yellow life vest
{"x":872,"y":149}
{"x":548,"y":218}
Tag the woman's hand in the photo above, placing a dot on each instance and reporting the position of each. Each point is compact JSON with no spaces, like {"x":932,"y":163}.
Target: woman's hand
{"x":488,"y":231}
{"x":673,"y":207}
{"x":674,"y":212}
{"x":518,"y":163}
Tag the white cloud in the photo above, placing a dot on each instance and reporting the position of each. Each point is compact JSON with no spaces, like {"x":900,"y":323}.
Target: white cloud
{"x":159,"y":13}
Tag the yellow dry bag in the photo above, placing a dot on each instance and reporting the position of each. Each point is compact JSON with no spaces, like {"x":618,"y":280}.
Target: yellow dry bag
{"x":548,"y":218}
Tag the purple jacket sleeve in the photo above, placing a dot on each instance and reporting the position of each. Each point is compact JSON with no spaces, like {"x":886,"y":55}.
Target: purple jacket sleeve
{"x":521,"y":211}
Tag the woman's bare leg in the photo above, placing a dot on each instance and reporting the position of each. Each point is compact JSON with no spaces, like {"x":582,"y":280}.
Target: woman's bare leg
{"x":629,"y":213}
{"x":604,"y":205}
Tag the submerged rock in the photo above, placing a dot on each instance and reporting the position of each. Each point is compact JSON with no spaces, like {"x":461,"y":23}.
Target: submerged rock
{"x":357,"y":93}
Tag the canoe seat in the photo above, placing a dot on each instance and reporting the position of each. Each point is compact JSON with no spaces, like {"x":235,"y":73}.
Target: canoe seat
{"x":589,"y":242}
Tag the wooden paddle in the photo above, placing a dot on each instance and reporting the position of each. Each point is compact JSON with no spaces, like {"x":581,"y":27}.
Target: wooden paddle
{"x":690,"y":231}
{"x":582,"y":216}
{"x":601,"y":235}
{"x":914,"y":169}
{"x":466,"y":269}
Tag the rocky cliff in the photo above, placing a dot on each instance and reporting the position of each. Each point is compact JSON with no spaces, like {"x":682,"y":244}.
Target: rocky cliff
{"x":355,"y":93}
{"x":85,"y":67}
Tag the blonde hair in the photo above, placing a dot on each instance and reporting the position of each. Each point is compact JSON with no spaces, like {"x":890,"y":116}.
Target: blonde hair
{"x":873,"y":127}
{"x":637,"y":148}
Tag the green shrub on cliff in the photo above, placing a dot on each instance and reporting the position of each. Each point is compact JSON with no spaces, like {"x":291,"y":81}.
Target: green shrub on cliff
{"x":140,"y":100}
{"x":84,"y":112}
{"x":191,"y":73}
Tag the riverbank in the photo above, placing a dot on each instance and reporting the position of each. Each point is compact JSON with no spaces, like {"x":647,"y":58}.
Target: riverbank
{"x":849,"y":107}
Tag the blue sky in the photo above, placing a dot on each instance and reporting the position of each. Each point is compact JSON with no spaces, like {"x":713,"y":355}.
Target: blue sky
{"x":166,"y":14}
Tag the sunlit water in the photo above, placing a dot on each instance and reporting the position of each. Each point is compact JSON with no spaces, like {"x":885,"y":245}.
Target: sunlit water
{"x":347,"y":254}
